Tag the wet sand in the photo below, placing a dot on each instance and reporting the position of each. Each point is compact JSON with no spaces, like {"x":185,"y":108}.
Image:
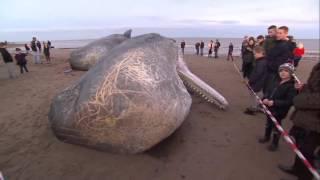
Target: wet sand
{"x":210,"y":144}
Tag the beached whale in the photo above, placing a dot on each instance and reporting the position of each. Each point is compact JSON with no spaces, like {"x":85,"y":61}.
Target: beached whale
{"x":86,"y":57}
{"x":131,"y":100}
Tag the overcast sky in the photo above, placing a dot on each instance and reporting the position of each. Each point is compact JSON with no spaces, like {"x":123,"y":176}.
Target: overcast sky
{"x":184,"y":17}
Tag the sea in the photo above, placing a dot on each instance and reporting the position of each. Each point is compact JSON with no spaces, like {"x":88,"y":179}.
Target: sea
{"x":312,"y":46}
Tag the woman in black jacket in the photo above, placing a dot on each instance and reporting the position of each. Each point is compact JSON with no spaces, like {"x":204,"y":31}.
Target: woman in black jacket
{"x":248,"y":58}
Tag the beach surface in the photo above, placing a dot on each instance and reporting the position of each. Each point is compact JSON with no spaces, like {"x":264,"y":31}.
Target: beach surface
{"x":210,"y":144}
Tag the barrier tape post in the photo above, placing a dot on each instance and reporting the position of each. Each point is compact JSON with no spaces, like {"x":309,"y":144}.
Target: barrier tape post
{"x":281,"y":130}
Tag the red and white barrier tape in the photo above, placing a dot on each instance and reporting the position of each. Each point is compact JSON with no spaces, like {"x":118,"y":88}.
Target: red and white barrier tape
{"x":280,"y":129}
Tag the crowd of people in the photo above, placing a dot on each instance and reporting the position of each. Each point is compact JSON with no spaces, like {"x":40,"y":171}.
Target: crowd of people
{"x":213,"y":47}
{"x":269,"y":65}
{"x":277,"y":44}
{"x":35,"y":48}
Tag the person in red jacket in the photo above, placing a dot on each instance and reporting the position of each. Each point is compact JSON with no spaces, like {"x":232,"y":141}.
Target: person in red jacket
{"x":298,"y":52}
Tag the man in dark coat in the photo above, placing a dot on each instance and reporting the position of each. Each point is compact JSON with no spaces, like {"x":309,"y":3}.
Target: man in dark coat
{"x":279,"y":54}
{"x":183,"y":45}
{"x":216,"y":48}
{"x":197,"y":46}
{"x":201,"y":48}
{"x":230,"y":51}
{"x":270,"y":38}
{"x":257,"y":78}
{"x":7,"y":58}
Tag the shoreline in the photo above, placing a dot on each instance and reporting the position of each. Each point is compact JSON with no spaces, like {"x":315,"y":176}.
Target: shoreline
{"x":189,"y":50}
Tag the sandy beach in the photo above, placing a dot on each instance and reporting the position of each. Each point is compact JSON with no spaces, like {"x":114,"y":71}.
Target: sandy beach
{"x":210,"y":144}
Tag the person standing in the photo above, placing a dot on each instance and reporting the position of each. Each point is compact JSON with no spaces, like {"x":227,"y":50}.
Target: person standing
{"x":270,"y":38}
{"x":298,"y":52}
{"x":216,"y":48}
{"x":39,"y":46}
{"x":279,"y":103}
{"x":248,"y":58}
{"x":230,"y":51}
{"x":35,"y":50}
{"x":201,"y":48}
{"x":197,"y":48}
{"x":210,"y":47}
{"x":257,"y":78}
{"x":182,"y":45}
{"x":21,"y":60}
{"x":306,"y":125}
{"x":244,"y":44}
{"x":279,"y":54}
{"x":292,"y":45}
{"x":7,"y":58}
{"x":49,"y":44}
{"x":46,"y":52}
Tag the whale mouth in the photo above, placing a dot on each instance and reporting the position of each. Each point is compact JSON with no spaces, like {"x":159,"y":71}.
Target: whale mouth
{"x":198,"y":86}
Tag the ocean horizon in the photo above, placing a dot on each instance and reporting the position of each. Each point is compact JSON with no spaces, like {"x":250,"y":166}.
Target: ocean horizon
{"x":71,"y":38}
{"x":311,"y":45}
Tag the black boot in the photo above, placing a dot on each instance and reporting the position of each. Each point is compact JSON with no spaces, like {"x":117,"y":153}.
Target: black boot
{"x":266,"y":137}
{"x":264,"y":140}
{"x":249,"y":111}
{"x":275,"y":143}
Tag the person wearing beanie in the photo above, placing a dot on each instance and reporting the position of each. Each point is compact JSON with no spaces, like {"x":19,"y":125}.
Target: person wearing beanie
{"x":279,"y":102}
{"x":21,"y":60}
{"x":306,"y":125}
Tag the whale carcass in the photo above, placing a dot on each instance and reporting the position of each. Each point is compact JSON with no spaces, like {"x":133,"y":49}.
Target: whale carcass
{"x":134,"y":97}
{"x":86,"y":57}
